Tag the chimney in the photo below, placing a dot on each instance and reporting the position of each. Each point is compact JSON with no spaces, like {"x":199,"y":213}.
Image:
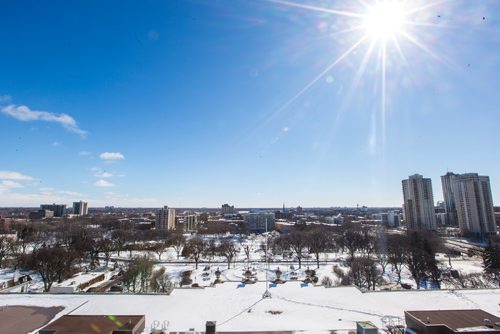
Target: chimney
{"x":210,"y":327}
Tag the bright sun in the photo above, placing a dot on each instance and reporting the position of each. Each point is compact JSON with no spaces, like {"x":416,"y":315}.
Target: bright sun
{"x":384,"y":20}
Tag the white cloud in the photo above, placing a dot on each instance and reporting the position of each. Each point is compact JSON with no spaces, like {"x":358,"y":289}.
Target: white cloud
{"x":83,"y":153}
{"x":56,"y":144}
{"x":111,"y":156}
{"x":25,"y":114}
{"x":104,"y":175}
{"x":103,"y":183}
{"x":10,"y":184}
{"x":8,"y":175}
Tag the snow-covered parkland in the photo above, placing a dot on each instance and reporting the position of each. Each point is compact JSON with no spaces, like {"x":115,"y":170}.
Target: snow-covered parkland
{"x":293,"y":306}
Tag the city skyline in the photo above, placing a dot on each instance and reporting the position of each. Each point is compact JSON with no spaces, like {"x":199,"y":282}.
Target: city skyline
{"x":196,"y":104}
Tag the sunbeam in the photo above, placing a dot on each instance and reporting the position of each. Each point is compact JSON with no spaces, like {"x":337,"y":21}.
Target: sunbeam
{"x":382,"y":23}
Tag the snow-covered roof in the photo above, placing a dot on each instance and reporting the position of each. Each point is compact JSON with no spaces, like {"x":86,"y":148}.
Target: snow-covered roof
{"x":236,"y":307}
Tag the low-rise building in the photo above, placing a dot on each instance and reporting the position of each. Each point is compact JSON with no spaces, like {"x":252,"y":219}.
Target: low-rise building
{"x":109,"y":324}
{"x":451,"y":321}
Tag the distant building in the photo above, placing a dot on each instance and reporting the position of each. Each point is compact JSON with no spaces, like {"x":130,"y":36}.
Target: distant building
{"x":256,"y":221}
{"x":58,"y":209}
{"x":191,"y":222}
{"x":451,"y":321}
{"x":41,"y":214}
{"x":418,"y":204}
{"x":447,"y":182}
{"x":227,"y":209}
{"x":122,"y":324}
{"x":80,"y":208}
{"x":441,"y":218}
{"x":390,"y":218}
{"x":474,"y":205}
{"x":165,"y":219}
{"x":283,"y":215}
{"x":338,"y":219}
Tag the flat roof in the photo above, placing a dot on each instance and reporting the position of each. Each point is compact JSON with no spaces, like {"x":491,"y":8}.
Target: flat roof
{"x":72,"y":324}
{"x":457,"y":320}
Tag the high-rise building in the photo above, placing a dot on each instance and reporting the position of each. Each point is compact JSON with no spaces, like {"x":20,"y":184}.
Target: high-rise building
{"x":260,"y":221}
{"x":80,"y":208}
{"x":58,"y":209}
{"x":165,"y":218}
{"x":418,"y":203}
{"x":447,"y":182}
{"x":191,"y":222}
{"x":474,"y":205}
{"x":228,"y":209}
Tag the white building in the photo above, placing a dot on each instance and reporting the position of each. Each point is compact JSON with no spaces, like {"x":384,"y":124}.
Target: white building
{"x":80,"y":208}
{"x":418,"y":203}
{"x":165,"y":218}
{"x":257,"y":221}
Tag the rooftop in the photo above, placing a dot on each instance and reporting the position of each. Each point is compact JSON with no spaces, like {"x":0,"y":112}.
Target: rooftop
{"x":458,"y":320}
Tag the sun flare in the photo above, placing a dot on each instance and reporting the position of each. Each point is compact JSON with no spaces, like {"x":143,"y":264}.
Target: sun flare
{"x":384,"y":20}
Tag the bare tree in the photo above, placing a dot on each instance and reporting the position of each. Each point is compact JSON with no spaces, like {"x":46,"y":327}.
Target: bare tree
{"x":177,"y":241}
{"x":317,"y":242}
{"x":298,"y":244}
{"x":396,"y":253}
{"x":159,"y":248}
{"x":229,"y":250}
{"x":5,"y":247}
{"x":195,"y":248}
{"x":351,"y":239}
{"x":120,"y":238}
{"x":52,"y":263}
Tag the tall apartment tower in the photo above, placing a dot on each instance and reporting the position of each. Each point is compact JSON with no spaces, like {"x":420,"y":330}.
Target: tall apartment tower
{"x":165,"y":218}
{"x":448,"y":184}
{"x":418,"y":203}
{"x":80,"y":208}
{"x":474,"y":205}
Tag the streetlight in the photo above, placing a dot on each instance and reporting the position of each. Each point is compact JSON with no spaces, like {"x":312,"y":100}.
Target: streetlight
{"x":267,"y":294}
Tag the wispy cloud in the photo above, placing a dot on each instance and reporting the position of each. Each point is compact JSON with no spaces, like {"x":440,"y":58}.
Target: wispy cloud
{"x":10,"y":184}
{"x":25,"y":114}
{"x":103,"y":183}
{"x":111,"y":156}
{"x":56,"y":144}
{"x":104,"y":175}
{"x":8,"y":175}
{"x":83,"y":153}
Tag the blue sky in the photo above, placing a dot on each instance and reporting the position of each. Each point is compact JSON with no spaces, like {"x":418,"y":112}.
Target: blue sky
{"x":198,"y":103}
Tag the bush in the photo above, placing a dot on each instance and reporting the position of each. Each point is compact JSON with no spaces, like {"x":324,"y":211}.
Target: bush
{"x":327,"y":281}
{"x":186,"y":278}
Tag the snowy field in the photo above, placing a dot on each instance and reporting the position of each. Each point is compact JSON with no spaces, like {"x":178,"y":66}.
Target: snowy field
{"x":293,"y":306}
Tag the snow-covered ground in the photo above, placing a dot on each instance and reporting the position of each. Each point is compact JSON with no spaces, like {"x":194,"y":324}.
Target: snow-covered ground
{"x":241,"y":308}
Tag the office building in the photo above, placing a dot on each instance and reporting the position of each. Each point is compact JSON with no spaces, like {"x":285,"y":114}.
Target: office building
{"x":80,"y":208}
{"x":418,"y":204}
{"x":165,"y":218}
{"x":474,"y":205}
{"x":256,"y":221}
{"x":58,"y":209}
